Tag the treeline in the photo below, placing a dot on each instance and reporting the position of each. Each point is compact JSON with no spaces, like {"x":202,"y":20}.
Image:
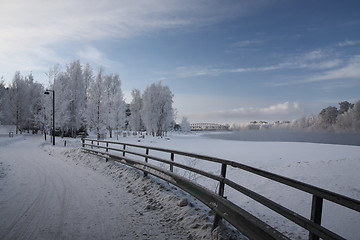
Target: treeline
{"x":344,"y":118}
{"x":84,"y":101}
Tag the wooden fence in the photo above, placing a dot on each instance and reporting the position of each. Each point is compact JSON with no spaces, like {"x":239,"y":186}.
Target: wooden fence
{"x":245,"y":222}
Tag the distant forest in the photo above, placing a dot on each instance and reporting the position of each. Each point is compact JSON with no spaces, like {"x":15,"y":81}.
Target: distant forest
{"x":345,"y":118}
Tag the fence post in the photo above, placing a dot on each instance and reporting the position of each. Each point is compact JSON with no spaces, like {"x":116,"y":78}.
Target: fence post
{"x":172,"y":159}
{"x":146,"y":160}
{"x":83,"y":142}
{"x":316,"y":211}
{"x":92,"y":143}
{"x":107,"y":150}
{"x":124,"y":146}
{"x":217,"y":217}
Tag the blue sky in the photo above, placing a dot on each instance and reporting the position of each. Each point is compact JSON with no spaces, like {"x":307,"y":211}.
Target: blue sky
{"x":225,"y":61}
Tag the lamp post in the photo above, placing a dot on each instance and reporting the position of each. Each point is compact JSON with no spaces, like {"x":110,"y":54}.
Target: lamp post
{"x":47,"y":92}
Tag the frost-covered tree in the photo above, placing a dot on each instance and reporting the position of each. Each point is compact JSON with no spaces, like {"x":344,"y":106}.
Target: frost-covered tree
{"x":52,"y":73}
{"x":88,"y":78}
{"x":304,"y":122}
{"x":3,"y":98}
{"x":327,"y":117}
{"x":356,"y":116}
{"x":119,"y":113}
{"x":345,"y":106}
{"x":35,"y":98}
{"x":114,"y":103}
{"x":185,"y":125}
{"x":135,"y":121}
{"x":77,"y":96}
{"x":17,"y":100}
{"x":24,"y":102}
{"x":96,"y":110}
{"x":344,"y":122}
{"x":157,"y":112}
{"x":62,"y":102}
{"x":350,"y":119}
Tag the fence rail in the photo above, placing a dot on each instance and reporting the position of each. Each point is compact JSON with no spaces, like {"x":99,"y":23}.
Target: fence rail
{"x":246,"y":223}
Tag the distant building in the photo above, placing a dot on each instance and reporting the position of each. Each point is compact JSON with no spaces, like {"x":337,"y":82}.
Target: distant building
{"x":208,"y":127}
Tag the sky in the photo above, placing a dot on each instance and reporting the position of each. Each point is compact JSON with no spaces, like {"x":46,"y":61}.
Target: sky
{"x":230,"y":61}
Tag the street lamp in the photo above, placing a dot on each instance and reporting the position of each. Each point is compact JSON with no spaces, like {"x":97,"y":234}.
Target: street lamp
{"x":47,"y":92}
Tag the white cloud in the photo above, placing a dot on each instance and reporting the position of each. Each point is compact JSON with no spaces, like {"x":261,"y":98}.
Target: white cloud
{"x":348,"y":43}
{"x":246,"y":43}
{"x":350,"y":70}
{"x":339,"y":70}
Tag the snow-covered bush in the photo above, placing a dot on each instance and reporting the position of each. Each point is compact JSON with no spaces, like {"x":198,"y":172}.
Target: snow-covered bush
{"x":185,"y":125}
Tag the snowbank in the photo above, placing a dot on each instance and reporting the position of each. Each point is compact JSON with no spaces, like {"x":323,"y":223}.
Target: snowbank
{"x":155,"y":198}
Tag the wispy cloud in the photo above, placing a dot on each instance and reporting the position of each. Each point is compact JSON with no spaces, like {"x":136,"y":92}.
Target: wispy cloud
{"x":35,"y":30}
{"x":94,"y":56}
{"x":350,"y":70}
{"x":313,"y":60}
{"x":348,"y":43}
{"x":246,"y":43}
{"x":343,"y":71}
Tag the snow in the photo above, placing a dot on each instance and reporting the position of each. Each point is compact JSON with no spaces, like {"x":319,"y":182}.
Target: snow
{"x":329,"y":166}
{"x":61,"y":192}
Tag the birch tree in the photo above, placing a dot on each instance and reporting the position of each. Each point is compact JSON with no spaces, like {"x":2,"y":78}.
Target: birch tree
{"x":119,"y":113}
{"x":35,"y":97}
{"x":76,"y":96}
{"x":96,"y":110}
{"x":135,"y":121}
{"x":62,"y":103}
{"x":112,"y":91}
{"x":17,"y":101}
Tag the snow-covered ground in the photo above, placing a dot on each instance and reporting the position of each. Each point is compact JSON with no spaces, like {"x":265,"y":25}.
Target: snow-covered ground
{"x":60,"y":192}
{"x":333,"y":167}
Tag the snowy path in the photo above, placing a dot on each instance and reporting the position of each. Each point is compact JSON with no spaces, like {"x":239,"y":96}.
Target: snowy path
{"x":42,"y":197}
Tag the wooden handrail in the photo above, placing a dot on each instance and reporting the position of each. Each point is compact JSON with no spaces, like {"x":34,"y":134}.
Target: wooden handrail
{"x":313,"y":225}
